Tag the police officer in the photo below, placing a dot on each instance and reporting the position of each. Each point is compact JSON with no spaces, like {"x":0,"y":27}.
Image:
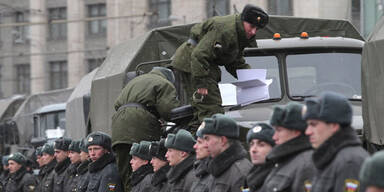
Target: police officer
{"x":141,"y":167}
{"x":292,"y":154}
{"x":181,"y":158}
{"x":139,"y":106}
{"x":219,"y":41}
{"x":103,"y":169}
{"x":5,"y":174}
{"x":204,"y":179}
{"x":338,"y":154}
{"x":372,"y":173}
{"x":47,"y":172}
{"x":160,"y":166}
{"x":260,"y":143}
{"x":82,"y":170}
{"x":229,"y":165}
{"x":74,"y":156}
{"x":61,"y":154}
{"x":19,"y":179}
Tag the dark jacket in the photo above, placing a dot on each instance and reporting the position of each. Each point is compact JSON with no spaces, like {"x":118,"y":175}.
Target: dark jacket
{"x":338,"y":161}
{"x":257,"y":175}
{"x":180,"y":176}
{"x":204,"y":179}
{"x":141,"y":179}
{"x":47,"y":172}
{"x":82,"y":176}
{"x":3,"y":180}
{"x":230,"y":169}
{"x":104,"y":175}
{"x":71,"y":182}
{"x":60,"y":175}
{"x":21,"y":181}
{"x":292,"y":166}
{"x":159,"y":179}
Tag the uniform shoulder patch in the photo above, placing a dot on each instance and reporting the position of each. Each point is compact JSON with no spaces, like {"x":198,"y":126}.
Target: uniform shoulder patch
{"x":351,"y":185}
{"x":111,"y":186}
{"x":307,"y":186}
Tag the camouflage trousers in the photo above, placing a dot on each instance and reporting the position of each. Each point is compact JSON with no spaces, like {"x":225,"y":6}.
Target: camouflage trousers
{"x":123,"y":163}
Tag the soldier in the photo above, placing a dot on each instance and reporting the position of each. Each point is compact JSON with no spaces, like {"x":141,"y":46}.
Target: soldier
{"x":181,"y":158}
{"x":74,"y":156}
{"x":103,"y":169}
{"x":38,"y":154}
{"x":19,"y":179}
{"x":219,"y":41}
{"x":82,"y":170}
{"x":4,"y":175}
{"x":338,"y":154}
{"x":160,"y":166}
{"x":63,"y":162}
{"x":372,"y":173}
{"x":292,"y":154}
{"x":204,"y":179}
{"x":139,"y":106}
{"x":47,"y":172}
{"x":260,"y":143}
{"x":142,"y":169}
{"x":229,"y":165}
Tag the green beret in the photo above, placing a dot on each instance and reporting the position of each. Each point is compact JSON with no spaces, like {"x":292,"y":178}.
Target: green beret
{"x":62,"y":143}
{"x":330,"y":107}
{"x":82,"y":145}
{"x":74,"y":146}
{"x":255,"y":15}
{"x":263,"y":132}
{"x":18,"y":157}
{"x":158,"y":150}
{"x":48,"y":149}
{"x":99,"y":138}
{"x":372,"y":171}
{"x":141,"y":150}
{"x":38,"y":151}
{"x":220,"y":125}
{"x":4,"y":160}
{"x":289,"y":116}
{"x":182,"y":140}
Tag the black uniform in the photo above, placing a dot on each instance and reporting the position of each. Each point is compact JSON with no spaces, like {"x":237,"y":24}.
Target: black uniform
{"x":257,"y":176}
{"x":21,"y":181}
{"x":204,"y":180}
{"x":71,"y":182}
{"x":60,"y":175}
{"x":159,"y":179}
{"x":47,"y":173}
{"x":82,"y":176}
{"x":181,"y":176}
{"x":103,"y":175}
{"x":141,"y":179}
{"x":3,"y":180}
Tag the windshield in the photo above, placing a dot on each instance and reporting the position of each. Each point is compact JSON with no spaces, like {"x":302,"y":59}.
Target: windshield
{"x":311,"y":74}
{"x":269,"y":63}
{"x":52,"y":124}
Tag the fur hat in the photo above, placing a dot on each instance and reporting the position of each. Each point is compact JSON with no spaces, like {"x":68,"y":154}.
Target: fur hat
{"x":141,"y":150}
{"x":182,"y":140}
{"x":263,"y":132}
{"x":255,"y":15}
{"x":158,"y":150}
{"x":18,"y":157}
{"x":372,"y":171}
{"x":62,"y":143}
{"x":99,"y":138}
{"x":289,"y":116}
{"x":220,"y":125}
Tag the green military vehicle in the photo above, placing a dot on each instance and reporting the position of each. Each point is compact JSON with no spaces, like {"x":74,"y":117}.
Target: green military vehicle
{"x":328,"y":59}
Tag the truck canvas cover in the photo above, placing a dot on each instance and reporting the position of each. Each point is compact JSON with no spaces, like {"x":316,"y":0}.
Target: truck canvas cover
{"x":161,"y":43}
{"x":372,"y":85}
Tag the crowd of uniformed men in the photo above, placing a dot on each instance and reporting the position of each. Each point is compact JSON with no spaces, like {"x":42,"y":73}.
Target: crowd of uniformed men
{"x":305,"y":147}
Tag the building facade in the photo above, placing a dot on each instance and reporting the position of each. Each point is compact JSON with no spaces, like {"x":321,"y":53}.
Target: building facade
{"x":52,"y":44}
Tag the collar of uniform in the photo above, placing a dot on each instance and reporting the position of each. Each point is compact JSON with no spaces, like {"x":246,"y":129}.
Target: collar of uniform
{"x":140,"y":174}
{"x":83,"y":167}
{"x":200,"y":167}
{"x":19,"y":174}
{"x":101,"y":162}
{"x":291,"y":148}
{"x":258,"y":174}
{"x":72,"y":168}
{"x":242,"y":37}
{"x":48,"y":167}
{"x":328,"y":150}
{"x":62,"y":166}
{"x":178,"y":171}
{"x":224,"y":160}
{"x":160,"y":176}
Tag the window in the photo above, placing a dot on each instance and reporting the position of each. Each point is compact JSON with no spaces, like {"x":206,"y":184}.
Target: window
{"x":94,"y":63}
{"x":23,"y":78}
{"x":280,"y":7}
{"x":97,"y":26}
{"x":217,"y":8}
{"x":58,"y":74}
{"x":57,"y":30}
{"x":20,"y":33}
{"x":162,"y":11}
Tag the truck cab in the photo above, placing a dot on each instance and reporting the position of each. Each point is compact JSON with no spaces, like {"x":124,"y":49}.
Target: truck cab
{"x":49,"y":122}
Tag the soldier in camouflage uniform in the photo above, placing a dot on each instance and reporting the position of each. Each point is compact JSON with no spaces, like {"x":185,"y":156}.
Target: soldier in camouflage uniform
{"x":139,"y":106}
{"x":160,"y":166}
{"x":61,"y":154}
{"x":338,"y":154}
{"x":47,"y":172}
{"x":82,"y":170}
{"x":219,"y":41}
{"x":141,"y":167}
{"x":19,"y":179}
{"x":74,"y":156}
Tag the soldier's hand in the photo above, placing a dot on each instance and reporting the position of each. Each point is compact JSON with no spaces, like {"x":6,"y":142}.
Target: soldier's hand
{"x":202,"y":91}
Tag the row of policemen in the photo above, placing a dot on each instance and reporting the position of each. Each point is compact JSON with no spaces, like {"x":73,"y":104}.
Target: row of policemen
{"x":309,"y":147}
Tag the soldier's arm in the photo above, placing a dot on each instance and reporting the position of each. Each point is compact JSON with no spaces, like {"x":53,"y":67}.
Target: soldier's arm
{"x":111,"y":182}
{"x":348,"y":177}
{"x":202,"y":56}
{"x":166,"y":100}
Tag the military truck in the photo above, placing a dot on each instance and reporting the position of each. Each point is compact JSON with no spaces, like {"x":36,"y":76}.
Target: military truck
{"x":325,"y":58}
